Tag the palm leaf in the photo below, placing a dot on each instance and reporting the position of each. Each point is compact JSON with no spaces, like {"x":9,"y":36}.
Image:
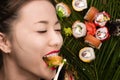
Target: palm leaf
{"x":106,"y":66}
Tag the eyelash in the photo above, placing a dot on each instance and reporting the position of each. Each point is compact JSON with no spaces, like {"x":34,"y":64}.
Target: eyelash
{"x":58,"y":30}
{"x":42,"y":31}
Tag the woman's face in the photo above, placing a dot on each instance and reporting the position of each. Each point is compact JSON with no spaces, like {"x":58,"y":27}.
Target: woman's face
{"x":35,"y":34}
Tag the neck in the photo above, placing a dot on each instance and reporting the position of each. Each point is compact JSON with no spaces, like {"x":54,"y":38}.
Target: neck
{"x":13,"y":72}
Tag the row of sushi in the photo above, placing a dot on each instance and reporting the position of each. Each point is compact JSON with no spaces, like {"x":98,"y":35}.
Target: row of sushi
{"x":95,"y":29}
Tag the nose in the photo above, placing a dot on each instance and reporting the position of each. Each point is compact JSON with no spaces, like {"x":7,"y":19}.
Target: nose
{"x":55,"y":39}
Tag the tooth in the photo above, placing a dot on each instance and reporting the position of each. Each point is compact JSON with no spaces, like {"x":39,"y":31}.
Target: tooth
{"x":51,"y":55}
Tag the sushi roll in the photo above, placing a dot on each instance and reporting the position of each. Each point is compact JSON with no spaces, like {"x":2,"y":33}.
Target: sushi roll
{"x":92,"y":41}
{"x":87,"y":54}
{"x":102,"y":33}
{"x":101,"y":19}
{"x":79,"y":5}
{"x":63,"y":10}
{"x":78,"y":29}
{"x":53,"y":61}
{"x":90,"y":15}
{"x":114,"y":27}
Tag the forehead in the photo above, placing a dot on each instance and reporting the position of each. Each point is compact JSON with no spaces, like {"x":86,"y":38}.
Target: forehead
{"x":37,"y":8}
{"x":36,"y":3}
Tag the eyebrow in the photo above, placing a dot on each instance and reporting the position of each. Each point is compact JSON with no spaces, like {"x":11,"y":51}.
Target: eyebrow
{"x":46,"y":22}
{"x":57,"y":22}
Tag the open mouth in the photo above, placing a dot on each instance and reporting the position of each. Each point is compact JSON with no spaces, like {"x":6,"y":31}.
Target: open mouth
{"x":53,"y":60}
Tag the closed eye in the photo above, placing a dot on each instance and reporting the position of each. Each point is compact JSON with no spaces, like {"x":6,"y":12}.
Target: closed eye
{"x":58,"y":30}
{"x":42,"y":31}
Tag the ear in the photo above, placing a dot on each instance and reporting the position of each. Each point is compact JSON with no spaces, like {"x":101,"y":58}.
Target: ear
{"x":4,"y":43}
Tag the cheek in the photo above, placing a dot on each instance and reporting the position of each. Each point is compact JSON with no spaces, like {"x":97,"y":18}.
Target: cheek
{"x":29,"y":56}
{"x":28,"y":50}
{"x":61,"y":39}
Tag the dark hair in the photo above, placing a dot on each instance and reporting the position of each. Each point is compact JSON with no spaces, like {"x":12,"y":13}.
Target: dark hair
{"x":8,"y":13}
{"x":8,"y":10}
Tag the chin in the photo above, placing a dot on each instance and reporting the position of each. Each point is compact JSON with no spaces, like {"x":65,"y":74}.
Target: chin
{"x":49,"y":76}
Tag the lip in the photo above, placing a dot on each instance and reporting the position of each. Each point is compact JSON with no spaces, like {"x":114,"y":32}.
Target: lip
{"x":55,"y":51}
{"x":52,"y":52}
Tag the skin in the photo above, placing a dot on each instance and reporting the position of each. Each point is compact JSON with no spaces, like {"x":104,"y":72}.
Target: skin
{"x":34,"y":34}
